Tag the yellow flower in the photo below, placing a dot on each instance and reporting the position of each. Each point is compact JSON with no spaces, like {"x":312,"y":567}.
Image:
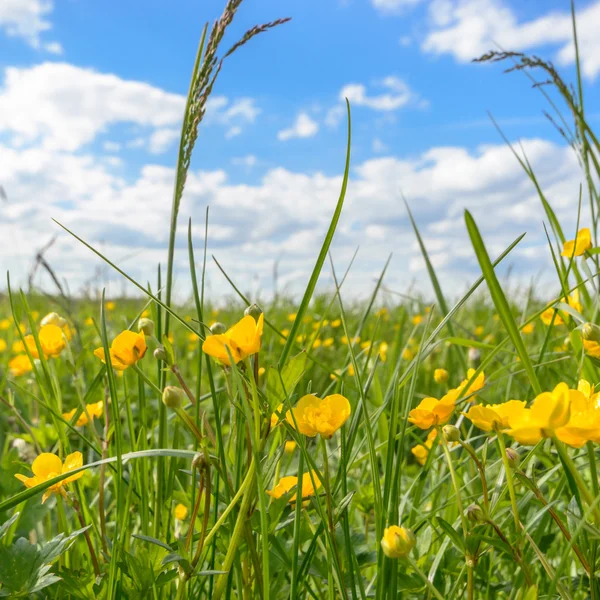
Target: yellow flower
{"x":145,"y":314}
{"x":20,"y":365}
{"x":421,"y":451}
{"x":93,"y":410}
{"x":479,"y":330}
{"x":383,"y":313}
{"x":51,"y":339}
{"x":592,"y":348}
{"x":397,"y":541}
{"x":547,"y":315}
{"x":432,"y":412}
{"x":573,"y":301}
{"x":285,"y":484}
{"x":292,"y":317}
{"x":315,"y":416}
{"x":126,"y":349}
{"x":578,"y":246}
{"x":327,"y":342}
{"x":366,"y":345}
{"x":335,"y":375}
{"x":89,"y":321}
{"x":407,"y":354}
{"x":5,"y":324}
{"x":527,"y":329}
{"x":300,"y":338}
{"x":464,"y":389}
{"x":242,"y":340}
{"x":548,"y":412}
{"x":290,"y":446}
{"x":354,"y":340}
{"x":440,"y":375}
{"x":47,"y":466}
{"x":2,"y":345}
{"x":317,"y":343}
{"x":584,"y":420}
{"x":181,"y":512}
{"x":261,"y":371}
{"x":110,"y":305}
{"x":496,"y":417}
{"x":336,"y":323}
{"x":383,"y":350}
{"x":275,"y":415}
{"x":417,"y":320}
{"x":350,"y":371}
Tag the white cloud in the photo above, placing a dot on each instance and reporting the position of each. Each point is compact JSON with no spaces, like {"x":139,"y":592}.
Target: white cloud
{"x":249,"y":161}
{"x":378,"y":146}
{"x":398,"y":95}
{"x":65,"y":106}
{"x":469,"y":28}
{"x":162,"y":139}
{"x":233,"y":115}
{"x":334,"y":116}
{"x":393,"y":6}
{"x":405,"y":41}
{"x":303,"y":127}
{"x":111,"y":146}
{"x":285,"y":214}
{"x":27,"y":19}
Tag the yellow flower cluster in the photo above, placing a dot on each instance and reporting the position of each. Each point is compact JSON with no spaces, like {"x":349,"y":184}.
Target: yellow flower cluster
{"x":571,"y":415}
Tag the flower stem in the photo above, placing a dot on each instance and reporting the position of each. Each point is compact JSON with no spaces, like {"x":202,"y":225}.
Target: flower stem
{"x":509,"y":482}
{"x":426,"y":581}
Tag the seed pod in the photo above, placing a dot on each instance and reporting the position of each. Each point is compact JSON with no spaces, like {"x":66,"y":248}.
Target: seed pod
{"x":173,"y":396}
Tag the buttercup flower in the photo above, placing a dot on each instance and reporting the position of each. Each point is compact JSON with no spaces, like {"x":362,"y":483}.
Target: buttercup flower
{"x":285,"y":484}
{"x":421,"y":451}
{"x":527,"y":329}
{"x":315,"y":416}
{"x":383,"y":350}
{"x":432,"y":412}
{"x":181,"y":512}
{"x":275,"y":417}
{"x":440,"y":375}
{"x":397,"y":541}
{"x":93,"y":410}
{"x":464,"y":389}
{"x":242,"y":340}
{"x":547,"y":315}
{"x":126,"y":349}
{"x":548,"y":412}
{"x":20,"y":365}
{"x":496,"y":417}
{"x":584,"y":420}
{"x":51,"y":339}
{"x":47,"y":466}
{"x":2,"y":345}
{"x":417,"y":320}
{"x":578,"y":246}
{"x":290,"y":446}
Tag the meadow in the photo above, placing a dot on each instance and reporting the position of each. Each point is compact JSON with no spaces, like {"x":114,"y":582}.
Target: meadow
{"x":313,"y":447}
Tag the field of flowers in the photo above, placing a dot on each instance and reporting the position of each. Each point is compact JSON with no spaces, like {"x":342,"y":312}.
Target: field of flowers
{"x":308,"y":448}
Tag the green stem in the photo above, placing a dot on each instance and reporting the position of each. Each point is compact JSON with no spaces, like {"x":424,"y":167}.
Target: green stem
{"x":426,"y":581}
{"x":509,"y":482}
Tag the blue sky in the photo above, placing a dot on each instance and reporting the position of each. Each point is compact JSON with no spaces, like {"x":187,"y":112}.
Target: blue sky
{"x":91,"y":94}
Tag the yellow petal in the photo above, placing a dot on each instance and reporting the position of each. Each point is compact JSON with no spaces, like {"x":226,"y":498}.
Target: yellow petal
{"x":45,"y":465}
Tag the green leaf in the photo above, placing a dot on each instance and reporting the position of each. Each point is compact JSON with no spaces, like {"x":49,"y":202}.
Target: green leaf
{"x":451,"y":533}
{"x":500,"y":301}
{"x":290,"y":376}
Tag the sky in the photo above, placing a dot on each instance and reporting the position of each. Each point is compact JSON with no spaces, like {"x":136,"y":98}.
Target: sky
{"x":92,"y":95}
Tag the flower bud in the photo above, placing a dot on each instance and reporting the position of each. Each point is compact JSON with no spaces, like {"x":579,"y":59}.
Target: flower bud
{"x":513,"y":457}
{"x":591,"y":332}
{"x":440,"y":375}
{"x":218,"y":328}
{"x":146,"y":325}
{"x":254,"y":310}
{"x":173,"y":396}
{"x":160,"y":354}
{"x":53,"y":319}
{"x":397,"y":541}
{"x":290,"y":446}
{"x":451,"y":433}
{"x":198,"y":461}
{"x":475,"y":513}
{"x":474,"y":357}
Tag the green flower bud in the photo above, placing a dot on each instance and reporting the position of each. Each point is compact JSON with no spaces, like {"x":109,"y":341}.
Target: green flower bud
{"x":254,"y":310}
{"x":173,"y":396}
{"x":513,"y":457}
{"x":218,"y":328}
{"x":160,"y":354}
{"x":475,"y":513}
{"x":451,"y":433}
{"x":591,"y":332}
{"x":146,"y":325}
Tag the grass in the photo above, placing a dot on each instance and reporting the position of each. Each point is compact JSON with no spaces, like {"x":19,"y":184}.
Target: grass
{"x":172,"y":499}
